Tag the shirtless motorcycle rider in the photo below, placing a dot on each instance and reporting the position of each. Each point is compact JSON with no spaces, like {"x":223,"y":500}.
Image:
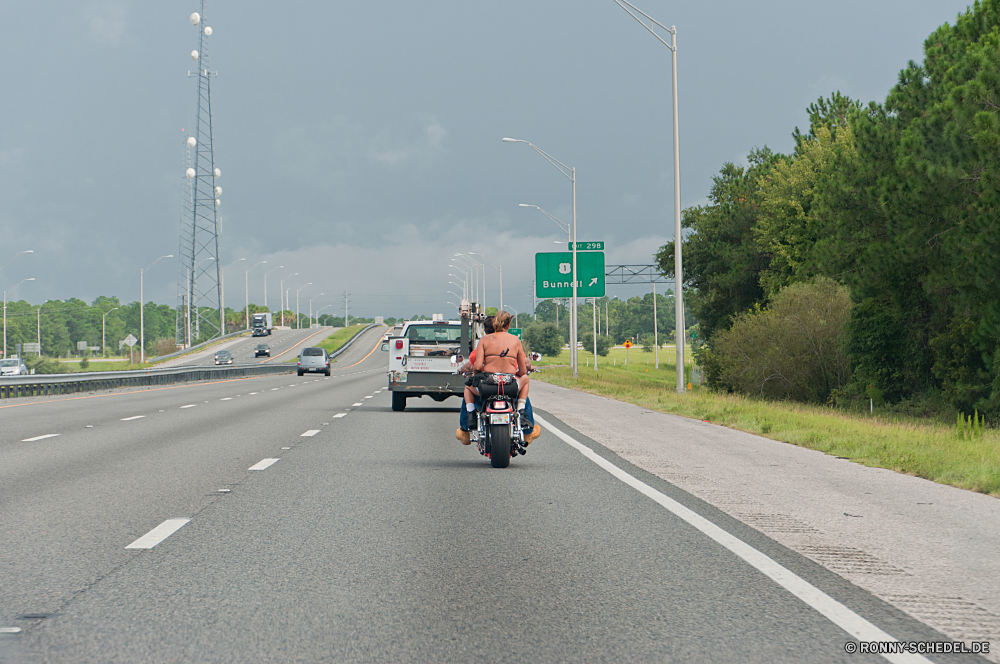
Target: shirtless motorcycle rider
{"x":498,"y":352}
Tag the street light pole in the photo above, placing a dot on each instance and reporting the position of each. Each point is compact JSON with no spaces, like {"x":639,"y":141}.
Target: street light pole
{"x":247,"y":287}
{"x":142,"y":312}
{"x":222,"y":295}
{"x":104,"y":321}
{"x":465,"y":290}
{"x":280,"y":267}
{"x":499,"y":270}
{"x":311,"y":308}
{"x":476,"y":267}
{"x":283,"y":296}
{"x":297,"y":323}
{"x":570,"y":173}
{"x":9,"y":290}
{"x":678,"y":268}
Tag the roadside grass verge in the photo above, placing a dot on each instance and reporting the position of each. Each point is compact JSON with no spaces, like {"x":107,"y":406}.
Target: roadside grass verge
{"x":340,"y":337}
{"x":920,"y":447}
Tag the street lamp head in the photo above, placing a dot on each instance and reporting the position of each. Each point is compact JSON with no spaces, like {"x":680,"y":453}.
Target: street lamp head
{"x":28,"y":251}
{"x":511,"y":140}
{"x":525,"y":205}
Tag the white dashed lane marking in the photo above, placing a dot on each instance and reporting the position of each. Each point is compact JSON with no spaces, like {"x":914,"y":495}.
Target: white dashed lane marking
{"x":31,"y":440}
{"x":190,"y":405}
{"x":158,"y":534}
{"x":357,"y":404}
{"x":367,"y":397}
{"x":310,"y":433}
{"x":226,"y":399}
{"x":134,"y":417}
{"x":340,"y":415}
{"x":263,"y":464}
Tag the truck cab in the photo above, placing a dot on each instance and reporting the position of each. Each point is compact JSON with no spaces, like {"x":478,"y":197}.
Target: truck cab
{"x":424,"y":357}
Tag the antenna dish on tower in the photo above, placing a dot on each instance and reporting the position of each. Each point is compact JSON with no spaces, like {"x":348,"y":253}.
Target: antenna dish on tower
{"x":194,"y":55}
{"x":189,"y":173}
{"x":195,"y":18}
{"x":191,"y":142}
{"x":218,"y":191}
{"x":208,"y":31}
{"x":218,"y":173}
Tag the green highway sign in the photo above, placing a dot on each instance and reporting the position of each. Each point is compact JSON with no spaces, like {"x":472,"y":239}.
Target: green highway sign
{"x":587,"y":246}
{"x":554,"y":274}
{"x":516,"y":331}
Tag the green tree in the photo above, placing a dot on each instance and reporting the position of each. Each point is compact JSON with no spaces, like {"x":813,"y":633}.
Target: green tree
{"x":722,"y":259}
{"x":544,"y":338}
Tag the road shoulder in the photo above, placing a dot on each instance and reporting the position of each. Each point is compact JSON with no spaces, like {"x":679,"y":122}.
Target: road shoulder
{"x":926,"y":548}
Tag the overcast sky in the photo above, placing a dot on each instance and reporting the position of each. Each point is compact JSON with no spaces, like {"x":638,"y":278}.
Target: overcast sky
{"x":359,"y":142}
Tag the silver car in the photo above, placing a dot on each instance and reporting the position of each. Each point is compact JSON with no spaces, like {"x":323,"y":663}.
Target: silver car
{"x":314,"y":360}
{"x":13,"y":367}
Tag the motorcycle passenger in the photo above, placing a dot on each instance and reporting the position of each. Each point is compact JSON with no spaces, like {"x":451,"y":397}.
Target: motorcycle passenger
{"x":468,"y":415}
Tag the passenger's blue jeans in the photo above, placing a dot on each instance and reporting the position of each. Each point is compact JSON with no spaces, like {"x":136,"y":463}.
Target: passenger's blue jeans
{"x":463,"y":416}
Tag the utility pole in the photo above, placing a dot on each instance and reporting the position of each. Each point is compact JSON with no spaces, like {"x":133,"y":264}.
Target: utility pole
{"x":347,"y":320}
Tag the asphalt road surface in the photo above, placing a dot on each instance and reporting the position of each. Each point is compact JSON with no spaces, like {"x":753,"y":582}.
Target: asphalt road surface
{"x":286,"y":343}
{"x":286,"y":519}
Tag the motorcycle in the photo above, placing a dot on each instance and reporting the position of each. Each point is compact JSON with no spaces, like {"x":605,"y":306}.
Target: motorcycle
{"x":500,"y":434}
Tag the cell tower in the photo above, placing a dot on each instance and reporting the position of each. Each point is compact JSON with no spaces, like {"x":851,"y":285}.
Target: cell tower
{"x":199,"y":292}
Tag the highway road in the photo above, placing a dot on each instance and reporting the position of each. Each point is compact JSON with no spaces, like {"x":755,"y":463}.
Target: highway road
{"x":286,"y":519}
{"x":286,"y":343}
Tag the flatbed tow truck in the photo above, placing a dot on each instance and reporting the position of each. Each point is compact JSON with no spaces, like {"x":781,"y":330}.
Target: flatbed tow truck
{"x":425,"y":356}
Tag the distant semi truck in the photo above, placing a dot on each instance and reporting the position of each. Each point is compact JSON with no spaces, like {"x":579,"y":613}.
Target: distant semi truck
{"x":262,"y":324}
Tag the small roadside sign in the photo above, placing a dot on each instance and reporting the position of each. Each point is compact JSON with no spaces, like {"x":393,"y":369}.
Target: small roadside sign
{"x":516,"y":331}
{"x":32,"y":347}
{"x":130,"y":340}
{"x":81,"y":345}
{"x":627,"y":344}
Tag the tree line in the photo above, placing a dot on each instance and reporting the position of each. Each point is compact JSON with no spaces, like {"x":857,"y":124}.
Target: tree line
{"x":887,"y":209}
{"x":61,"y":325}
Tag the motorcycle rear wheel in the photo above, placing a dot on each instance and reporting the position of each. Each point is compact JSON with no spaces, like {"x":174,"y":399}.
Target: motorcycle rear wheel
{"x":499,"y":445}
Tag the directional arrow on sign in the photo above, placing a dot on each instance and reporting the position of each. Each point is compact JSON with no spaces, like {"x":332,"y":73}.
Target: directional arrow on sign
{"x":593,"y":281}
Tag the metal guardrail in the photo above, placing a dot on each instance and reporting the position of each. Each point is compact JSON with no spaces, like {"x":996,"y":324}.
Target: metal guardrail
{"x":203,"y":344}
{"x":53,"y":384}
{"x":12,"y":387}
{"x":351,"y":340}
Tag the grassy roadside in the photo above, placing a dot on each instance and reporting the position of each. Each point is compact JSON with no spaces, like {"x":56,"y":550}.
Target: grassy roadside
{"x":923,"y":448}
{"x":340,"y":337}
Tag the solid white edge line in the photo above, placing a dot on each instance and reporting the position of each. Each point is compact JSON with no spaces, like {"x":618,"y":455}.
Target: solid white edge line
{"x":840,"y":615}
{"x":134,"y":417}
{"x":262,"y":464}
{"x":310,"y":433}
{"x":158,"y":534}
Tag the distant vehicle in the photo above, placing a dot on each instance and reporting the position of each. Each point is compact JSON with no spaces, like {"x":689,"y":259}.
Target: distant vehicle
{"x":314,"y":360}
{"x":394,"y":331}
{"x":223,"y":357}
{"x":262,"y":350}
{"x":13,"y":366}
{"x":262,"y":324}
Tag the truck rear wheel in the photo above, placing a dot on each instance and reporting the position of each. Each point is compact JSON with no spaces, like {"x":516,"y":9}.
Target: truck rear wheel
{"x":398,"y":401}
